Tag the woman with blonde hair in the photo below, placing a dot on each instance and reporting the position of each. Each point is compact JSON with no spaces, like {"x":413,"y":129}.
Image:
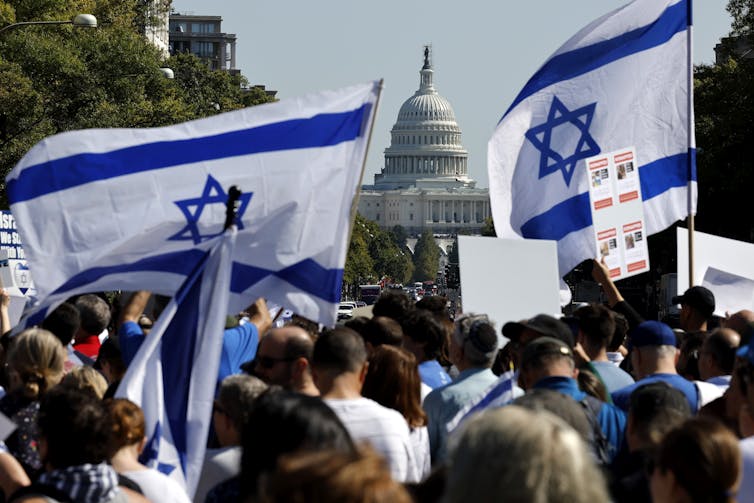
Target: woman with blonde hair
{"x":86,"y":379}
{"x":127,"y":441}
{"x":35,"y":364}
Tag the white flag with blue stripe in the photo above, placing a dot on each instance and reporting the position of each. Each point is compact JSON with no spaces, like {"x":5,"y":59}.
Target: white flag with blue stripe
{"x":501,"y":392}
{"x":620,"y":82}
{"x":130,"y":209}
{"x":173,"y":375}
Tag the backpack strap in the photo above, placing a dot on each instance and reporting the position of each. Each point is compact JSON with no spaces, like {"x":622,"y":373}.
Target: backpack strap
{"x":600,"y":444}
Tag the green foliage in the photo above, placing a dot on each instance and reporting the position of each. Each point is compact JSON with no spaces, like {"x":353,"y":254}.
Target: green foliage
{"x":724,"y":101}
{"x":373,"y":254}
{"x":60,"y":78}
{"x":426,"y":257}
{"x":489,"y":228}
{"x":742,"y":12}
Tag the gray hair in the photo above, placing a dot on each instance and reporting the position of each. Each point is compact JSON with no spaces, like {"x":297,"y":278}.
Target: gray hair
{"x":521,"y":455}
{"x":237,"y":394}
{"x":466,"y":327}
{"x":94,"y":312}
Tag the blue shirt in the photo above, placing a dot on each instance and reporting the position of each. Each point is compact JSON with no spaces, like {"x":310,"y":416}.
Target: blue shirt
{"x":433,"y":375}
{"x":611,"y":419}
{"x":612,"y":375}
{"x":239,"y":346}
{"x":443,"y":403}
{"x":622,"y":397}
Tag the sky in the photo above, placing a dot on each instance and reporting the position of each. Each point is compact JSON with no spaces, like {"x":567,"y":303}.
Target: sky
{"x":483,"y":52}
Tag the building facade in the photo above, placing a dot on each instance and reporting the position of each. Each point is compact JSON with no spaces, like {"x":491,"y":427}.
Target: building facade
{"x":424,"y":183}
{"x":203,"y":36}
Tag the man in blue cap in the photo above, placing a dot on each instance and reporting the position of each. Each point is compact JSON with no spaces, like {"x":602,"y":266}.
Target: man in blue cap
{"x":654,"y":355}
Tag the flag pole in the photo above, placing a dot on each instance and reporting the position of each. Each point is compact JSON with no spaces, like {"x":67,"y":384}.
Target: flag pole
{"x":690,"y":134}
{"x":355,"y":203}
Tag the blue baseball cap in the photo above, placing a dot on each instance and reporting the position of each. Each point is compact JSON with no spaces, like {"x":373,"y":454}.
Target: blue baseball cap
{"x":651,"y":333}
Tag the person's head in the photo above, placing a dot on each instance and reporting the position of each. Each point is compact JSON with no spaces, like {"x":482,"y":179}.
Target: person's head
{"x":697,"y":305}
{"x":596,"y":325}
{"x":35,"y":361}
{"x":284,"y":422}
{"x":522,"y":332}
{"x":688,"y":355}
{"x":339,"y":352}
{"x":74,"y":428}
{"x":330,"y":476}
{"x":742,"y":322}
{"x":128,"y":425}
{"x":424,"y":335}
{"x":717,"y":355}
{"x":284,"y":357}
{"x":621,"y":330}
{"x":63,"y":322}
{"x":474,"y":342}
{"x":546,"y":357}
{"x":653,"y":349}
{"x":394,"y":304}
{"x":654,"y":409}
{"x":393,"y":381}
{"x":560,"y":405}
{"x":235,"y":399}
{"x":110,"y":360}
{"x":94,"y":312}
{"x":87,"y":380}
{"x":698,"y":462}
{"x":544,"y":460}
{"x":382,"y":330}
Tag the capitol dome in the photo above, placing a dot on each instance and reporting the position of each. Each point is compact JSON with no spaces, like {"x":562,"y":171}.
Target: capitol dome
{"x":425,"y":147}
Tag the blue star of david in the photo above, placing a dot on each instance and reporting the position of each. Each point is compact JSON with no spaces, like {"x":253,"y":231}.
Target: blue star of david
{"x":192,"y":209}
{"x":540,"y":136}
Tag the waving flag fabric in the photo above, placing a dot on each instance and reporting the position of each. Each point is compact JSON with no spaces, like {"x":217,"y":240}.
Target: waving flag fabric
{"x":174,"y":373}
{"x":620,"y":82}
{"x":137,"y":208}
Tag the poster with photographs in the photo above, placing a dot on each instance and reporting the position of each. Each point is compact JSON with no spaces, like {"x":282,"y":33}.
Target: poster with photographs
{"x":618,"y":212}
{"x":608,"y":250}
{"x":600,"y":183}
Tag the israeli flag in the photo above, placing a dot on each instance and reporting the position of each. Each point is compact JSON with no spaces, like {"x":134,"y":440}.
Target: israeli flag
{"x":501,"y":392}
{"x":623,"y":81}
{"x":173,"y":375}
{"x":130,"y":209}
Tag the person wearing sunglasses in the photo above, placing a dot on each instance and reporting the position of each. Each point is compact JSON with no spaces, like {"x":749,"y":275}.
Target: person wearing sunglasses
{"x":284,"y":359}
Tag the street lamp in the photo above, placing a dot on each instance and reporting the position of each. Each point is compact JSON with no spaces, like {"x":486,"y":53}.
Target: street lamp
{"x":80,"y":21}
{"x":167,"y":73}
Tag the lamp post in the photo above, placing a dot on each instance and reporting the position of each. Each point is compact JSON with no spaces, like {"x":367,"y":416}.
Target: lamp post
{"x":80,"y":21}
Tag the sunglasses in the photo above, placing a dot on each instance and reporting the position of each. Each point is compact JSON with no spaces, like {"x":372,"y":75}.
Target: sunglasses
{"x":268,"y":362}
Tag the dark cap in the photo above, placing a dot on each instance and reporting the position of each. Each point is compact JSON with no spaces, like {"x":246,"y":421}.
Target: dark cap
{"x":651,"y":333}
{"x":542,"y":346}
{"x":543,"y":324}
{"x":699,"y":298}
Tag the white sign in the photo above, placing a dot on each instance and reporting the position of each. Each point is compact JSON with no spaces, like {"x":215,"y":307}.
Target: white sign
{"x":728,"y":255}
{"x":732,"y":292}
{"x":618,"y":212}
{"x":508,"y":279}
{"x":14,"y":271}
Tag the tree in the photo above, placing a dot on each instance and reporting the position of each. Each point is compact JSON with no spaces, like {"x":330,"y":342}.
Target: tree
{"x":489,"y":228}
{"x":426,"y":257}
{"x":724,"y":109}
{"x":58,"y":78}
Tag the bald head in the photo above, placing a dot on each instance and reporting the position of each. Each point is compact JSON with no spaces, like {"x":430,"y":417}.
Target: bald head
{"x":740,"y":322}
{"x":718,"y":353}
{"x":283,"y":354}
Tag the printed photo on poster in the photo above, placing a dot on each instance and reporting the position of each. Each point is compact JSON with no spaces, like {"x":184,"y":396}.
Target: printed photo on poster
{"x":608,"y":250}
{"x":627,"y":175}
{"x":637,"y":254}
{"x":601,"y":185}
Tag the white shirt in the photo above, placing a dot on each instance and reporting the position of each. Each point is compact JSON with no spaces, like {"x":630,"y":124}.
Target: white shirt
{"x":157,"y":486}
{"x":420,"y":443}
{"x":219,"y":466}
{"x":384,"y":429}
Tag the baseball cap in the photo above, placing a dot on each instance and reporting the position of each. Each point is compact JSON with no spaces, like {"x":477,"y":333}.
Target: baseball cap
{"x":651,"y":333}
{"x":542,"y":346}
{"x":543,"y":324}
{"x":699,"y":298}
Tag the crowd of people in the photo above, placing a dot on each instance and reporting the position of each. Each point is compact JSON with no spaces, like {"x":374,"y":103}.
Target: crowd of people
{"x":409,"y":405}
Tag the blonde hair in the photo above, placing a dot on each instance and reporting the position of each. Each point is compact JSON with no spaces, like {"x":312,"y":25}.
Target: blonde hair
{"x":85,"y":379}
{"x":521,"y":455}
{"x":37,"y":358}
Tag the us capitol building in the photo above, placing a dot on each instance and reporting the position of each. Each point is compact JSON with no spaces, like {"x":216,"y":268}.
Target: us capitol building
{"x":425,"y":182}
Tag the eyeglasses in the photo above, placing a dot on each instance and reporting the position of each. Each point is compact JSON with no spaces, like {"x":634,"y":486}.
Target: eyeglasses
{"x":268,"y":362}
